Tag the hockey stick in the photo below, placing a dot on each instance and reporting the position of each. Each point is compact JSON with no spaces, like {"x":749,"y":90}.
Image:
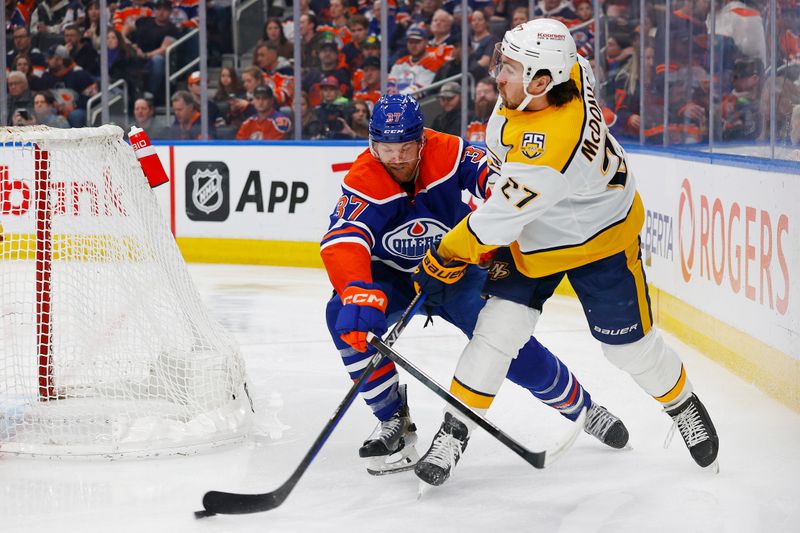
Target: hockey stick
{"x":538,"y":459}
{"x":215,"y":502}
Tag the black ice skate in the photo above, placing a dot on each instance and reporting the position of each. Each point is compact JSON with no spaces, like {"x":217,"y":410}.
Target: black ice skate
{"x":605,"y":427}
{"x":697,"y":430}
{"x":449,"y":443}
{"x":390,"y":448}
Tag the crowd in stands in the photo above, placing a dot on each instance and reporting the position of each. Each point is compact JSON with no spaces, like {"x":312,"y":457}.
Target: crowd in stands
{"x":53,"y":64}
{"x":678,"y":56}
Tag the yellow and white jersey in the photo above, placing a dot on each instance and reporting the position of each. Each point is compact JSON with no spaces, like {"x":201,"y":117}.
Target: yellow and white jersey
{"x":564,"y":195}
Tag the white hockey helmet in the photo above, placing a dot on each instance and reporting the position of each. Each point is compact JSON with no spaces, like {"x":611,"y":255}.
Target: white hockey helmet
{"x":540,"y":44}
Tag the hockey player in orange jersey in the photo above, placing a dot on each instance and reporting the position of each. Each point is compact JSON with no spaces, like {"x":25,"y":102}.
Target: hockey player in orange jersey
{"x":398,"y":199}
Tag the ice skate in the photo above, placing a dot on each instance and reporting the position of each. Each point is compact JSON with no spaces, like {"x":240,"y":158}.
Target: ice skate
{"x":697,"y":430}
{"x":449,"y":443}
{"x":606,"y":427}
{"x":390,"y":448}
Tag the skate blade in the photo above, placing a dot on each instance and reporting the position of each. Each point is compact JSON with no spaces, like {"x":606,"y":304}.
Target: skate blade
{"x":422,"y":488}
{"x":402,"y":461}
{"x":713,"y":467}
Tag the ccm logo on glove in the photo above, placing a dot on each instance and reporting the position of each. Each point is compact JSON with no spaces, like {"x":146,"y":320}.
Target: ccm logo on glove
{"x":363,"y":311}
{"x":374,"y":299}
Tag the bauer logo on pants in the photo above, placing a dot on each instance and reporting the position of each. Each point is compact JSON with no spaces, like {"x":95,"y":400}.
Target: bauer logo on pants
{"x":207,"y":191}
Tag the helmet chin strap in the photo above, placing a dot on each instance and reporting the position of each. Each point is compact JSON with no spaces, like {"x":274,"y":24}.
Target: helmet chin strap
{"x":419,"y":157}
{"x":529,"y":96}
{"x":525,"y":101}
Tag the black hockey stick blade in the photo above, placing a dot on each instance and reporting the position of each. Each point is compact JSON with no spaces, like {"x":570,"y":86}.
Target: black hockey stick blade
{"x":231,"y":503}
{"x":538,"y":459}
{"x":217,"y":502}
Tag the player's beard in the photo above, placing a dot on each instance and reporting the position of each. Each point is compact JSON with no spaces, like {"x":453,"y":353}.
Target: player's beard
{"x":483,"y":109}
{"x":402,"y":172}
{"x":508,"y":104}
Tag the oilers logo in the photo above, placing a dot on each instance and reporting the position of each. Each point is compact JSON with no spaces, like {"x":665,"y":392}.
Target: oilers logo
{"x":412,"y":239}
{"x":532,"y":145}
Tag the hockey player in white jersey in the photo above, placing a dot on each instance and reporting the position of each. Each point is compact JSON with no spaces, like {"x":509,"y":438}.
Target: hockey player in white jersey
{"x":564,"y":203}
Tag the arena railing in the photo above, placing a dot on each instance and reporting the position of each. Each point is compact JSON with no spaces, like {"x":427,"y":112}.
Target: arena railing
{"x":169,"y":76}
{"x":119,"y":92}
{"x":248,"y":19}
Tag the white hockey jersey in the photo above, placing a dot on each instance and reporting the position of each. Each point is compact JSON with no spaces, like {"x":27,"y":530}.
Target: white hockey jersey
{"x":564,"y":196}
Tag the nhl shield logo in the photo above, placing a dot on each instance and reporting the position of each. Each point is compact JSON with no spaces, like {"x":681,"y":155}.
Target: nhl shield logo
{"x":532,"y":145}
{"x":207,"y":190}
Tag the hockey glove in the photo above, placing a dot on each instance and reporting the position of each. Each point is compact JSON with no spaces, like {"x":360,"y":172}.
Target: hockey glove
{"x":437,"y":278}
{"x":364,"y":310}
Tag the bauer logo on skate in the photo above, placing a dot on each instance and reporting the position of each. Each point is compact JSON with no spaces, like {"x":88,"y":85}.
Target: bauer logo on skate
{"x":740,"y":246}
{"x":207,"y":191}
{"x":412,"y":239}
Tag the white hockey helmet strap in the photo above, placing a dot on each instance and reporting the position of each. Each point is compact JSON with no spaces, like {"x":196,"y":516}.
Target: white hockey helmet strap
{"x":540,"y":44}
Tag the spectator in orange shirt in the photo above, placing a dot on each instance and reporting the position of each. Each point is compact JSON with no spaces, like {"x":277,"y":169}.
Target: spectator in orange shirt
{"x":276,"y":72}
{"x":125,"y":17}
{"x":370,"y":81}
{"x":417,"y":69}
{"x":268,"y":123}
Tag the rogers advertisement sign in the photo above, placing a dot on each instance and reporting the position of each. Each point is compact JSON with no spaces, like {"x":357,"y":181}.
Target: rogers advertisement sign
{"x":740,"y":245}
{"x":725,"y":240}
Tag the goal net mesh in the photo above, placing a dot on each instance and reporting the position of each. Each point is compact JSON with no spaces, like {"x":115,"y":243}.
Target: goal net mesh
{"x":105,"y":346}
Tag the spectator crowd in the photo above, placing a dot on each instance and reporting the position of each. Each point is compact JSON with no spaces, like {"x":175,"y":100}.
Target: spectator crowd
{"x":645,"y":62}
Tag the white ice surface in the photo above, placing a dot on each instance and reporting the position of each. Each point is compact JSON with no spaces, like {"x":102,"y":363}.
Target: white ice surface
{"x":297,"y":381}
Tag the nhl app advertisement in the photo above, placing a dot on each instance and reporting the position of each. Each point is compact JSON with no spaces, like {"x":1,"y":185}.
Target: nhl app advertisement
{"x":262,"y":192}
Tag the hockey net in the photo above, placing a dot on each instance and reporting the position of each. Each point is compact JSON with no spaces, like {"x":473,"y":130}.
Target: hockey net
{"x":105,"y":346}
